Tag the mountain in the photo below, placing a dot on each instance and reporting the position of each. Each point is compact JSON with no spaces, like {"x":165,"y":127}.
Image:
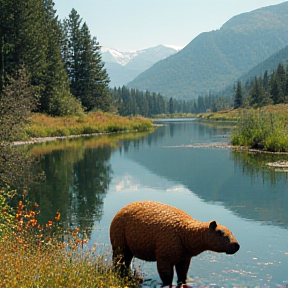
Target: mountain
{"x":269,"y":64}
{"x":214,"y":59}
{"x":110,"y":55}
{"x":123,"y":67}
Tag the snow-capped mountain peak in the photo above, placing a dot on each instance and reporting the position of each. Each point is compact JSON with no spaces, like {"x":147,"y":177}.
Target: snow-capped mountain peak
{"x":123,"y":67}
{"x":113,"y":55}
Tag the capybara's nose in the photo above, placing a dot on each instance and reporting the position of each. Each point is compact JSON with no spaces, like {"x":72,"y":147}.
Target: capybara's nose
{"x":237,"y":247}
{"x":233,"y":248}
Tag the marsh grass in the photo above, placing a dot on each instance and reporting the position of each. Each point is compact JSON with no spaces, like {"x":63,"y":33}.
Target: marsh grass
{"x":231,"y":116}
{"x":41,"y":125}
{"x":262,"y":129}
{"x":34,"y":255}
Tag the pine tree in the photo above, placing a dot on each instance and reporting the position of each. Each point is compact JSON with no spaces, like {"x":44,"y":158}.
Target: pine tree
{"x":56,"y":98}
{"x":256,"y":94}
{"x":24,"y":40}
{"x":71,"y":50}
{"x":142,"y":103}
{"x":238,"y":98}
{"x":171,"y":106}
{"x":83,"y":61}
{"x":286,"y":83}
{"x":277,"y":85}
{"x":265,"y":81}
{"x":149,"y":99}
{"x":201,"y":104}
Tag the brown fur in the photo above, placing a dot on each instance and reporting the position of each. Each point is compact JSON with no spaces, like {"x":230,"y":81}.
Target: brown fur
{"x":153,"y":231}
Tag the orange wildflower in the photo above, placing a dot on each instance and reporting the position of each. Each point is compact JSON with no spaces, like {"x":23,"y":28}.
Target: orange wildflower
{"x":58,"y":215}
{"x":20,"y":241}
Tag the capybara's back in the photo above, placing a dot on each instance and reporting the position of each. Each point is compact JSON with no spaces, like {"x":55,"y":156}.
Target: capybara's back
{"x":143,"y":225}
{"x":154,"y":231}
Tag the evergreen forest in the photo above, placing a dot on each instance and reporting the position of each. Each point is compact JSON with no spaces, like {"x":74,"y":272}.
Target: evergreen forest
{"x":61,"y":59}
{"x":263,"y":90}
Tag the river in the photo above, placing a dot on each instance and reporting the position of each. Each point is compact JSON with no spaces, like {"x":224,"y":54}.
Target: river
{"x":183,"y":164}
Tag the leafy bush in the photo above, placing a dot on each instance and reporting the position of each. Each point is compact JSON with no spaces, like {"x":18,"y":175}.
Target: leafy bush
{"x":66,"y":105}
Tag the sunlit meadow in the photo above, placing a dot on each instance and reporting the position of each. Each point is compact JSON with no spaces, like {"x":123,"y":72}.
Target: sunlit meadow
{"x":41,"y":125}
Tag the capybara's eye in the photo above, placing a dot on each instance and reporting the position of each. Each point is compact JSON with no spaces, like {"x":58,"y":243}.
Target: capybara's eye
{"x":220,"y":232}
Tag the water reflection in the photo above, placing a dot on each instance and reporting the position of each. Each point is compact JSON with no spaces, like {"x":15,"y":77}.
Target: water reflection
{"x":254,"y":164}
{"x":239,"y":181}
{"x":77,"y":176}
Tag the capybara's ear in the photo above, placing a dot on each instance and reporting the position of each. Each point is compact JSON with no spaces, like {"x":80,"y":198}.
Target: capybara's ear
{"x":213,"y":225}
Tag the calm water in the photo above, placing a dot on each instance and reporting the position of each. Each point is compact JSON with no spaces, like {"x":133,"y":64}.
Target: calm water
{"x":89,"y":181}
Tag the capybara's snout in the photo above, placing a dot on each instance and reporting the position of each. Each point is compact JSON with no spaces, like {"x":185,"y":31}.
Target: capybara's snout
{"x":233,"y":248}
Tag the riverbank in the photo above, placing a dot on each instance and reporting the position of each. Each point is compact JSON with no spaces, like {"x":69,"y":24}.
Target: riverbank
{"x":233,"y":115}
{"x":41,"y":127}
{"x":48,"y":139}
{"x":264,"y":129}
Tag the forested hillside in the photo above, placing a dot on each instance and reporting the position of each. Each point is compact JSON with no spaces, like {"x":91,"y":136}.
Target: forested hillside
{"x":214,"y":59}
{"x":269,"y":64}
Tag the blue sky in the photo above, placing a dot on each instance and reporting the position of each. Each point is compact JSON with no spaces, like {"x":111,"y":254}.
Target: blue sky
{"x":128,"y":25}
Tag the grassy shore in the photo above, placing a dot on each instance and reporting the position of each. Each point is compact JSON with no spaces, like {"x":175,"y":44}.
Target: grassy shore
{"x":233,"y":115}
{"x":265,"y":128}
{"x":40,"y":125}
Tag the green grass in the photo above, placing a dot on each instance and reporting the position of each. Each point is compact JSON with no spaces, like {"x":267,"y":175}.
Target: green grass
{"x":262,"y":129}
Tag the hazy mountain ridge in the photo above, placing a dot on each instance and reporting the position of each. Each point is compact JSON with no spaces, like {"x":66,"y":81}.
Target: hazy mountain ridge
{"x":269,"y":64}
{"x":215,"y":59}
{"x":123,"y":67}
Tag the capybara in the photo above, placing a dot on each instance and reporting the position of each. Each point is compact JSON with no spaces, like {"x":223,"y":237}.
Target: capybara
{"x":154,"y":231}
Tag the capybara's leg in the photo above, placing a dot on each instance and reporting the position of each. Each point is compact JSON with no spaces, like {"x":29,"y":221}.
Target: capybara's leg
{"x":128,"y":256}
{"x":182,"y":270}
{"x":122,"y":259}
{"x":165,"y":271}
{"x":117,"y":255}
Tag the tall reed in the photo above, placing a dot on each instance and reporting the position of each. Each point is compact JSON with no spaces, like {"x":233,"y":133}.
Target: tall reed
{"x":261,"y":129}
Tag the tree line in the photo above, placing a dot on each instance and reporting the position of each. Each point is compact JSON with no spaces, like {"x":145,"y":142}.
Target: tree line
{"x":264,"y":90}
{"x":128,"y":101}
